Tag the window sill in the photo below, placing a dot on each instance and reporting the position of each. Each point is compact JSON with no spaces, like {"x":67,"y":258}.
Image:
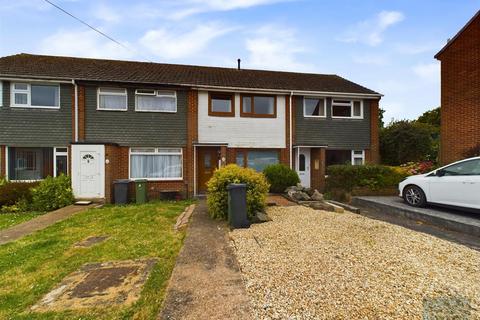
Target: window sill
{"x":33,"y":107}
{"x":273,"y":116}
{"x":156,"y":179}
{"x":155,"y":111}
{"x":315,"y":117}
{"x":122,"y":110}
{"x":351,"y":118}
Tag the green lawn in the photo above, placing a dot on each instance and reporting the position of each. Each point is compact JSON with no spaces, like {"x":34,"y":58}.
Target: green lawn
{"x":32,"y":266}
{"x":10,"y":219}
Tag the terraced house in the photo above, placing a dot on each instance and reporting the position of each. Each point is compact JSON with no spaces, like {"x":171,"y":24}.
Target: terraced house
{"x":101,"y":120}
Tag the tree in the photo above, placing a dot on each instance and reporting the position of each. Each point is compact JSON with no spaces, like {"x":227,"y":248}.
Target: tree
{"x":381,"y":114}
{"x":404,"y":141}
{"x":431,"y":117}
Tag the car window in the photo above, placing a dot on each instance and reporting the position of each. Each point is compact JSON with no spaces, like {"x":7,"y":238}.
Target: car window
{"x":466,"y":168}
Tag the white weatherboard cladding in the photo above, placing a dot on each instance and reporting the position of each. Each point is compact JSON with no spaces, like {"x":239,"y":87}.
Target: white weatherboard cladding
{"x":241,"y":132}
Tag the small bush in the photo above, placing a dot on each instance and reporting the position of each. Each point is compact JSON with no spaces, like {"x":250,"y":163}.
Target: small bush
{"x":52,"y":193}
{"x":280,"y":177}
{"x":13,"y":192}
{"x":347,"y":177}
{"x":217,"y":199}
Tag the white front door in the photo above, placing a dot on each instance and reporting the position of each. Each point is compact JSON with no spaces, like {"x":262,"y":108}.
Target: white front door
{"x":303,"y":166}
{"x":88,"y":171}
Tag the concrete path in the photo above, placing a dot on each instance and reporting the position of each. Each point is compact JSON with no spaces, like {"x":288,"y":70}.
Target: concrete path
{"x":206,"y":282}
{"x":41,"y":222}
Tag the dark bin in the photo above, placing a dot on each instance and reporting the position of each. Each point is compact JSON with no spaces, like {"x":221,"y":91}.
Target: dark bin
{"x":141,"y":191}
{"x":121,"y":191}
{"x":237,"y":205}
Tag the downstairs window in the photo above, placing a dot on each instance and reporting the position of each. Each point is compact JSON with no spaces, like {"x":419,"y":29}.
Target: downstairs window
{"x":30,"y":163}
{"x":353,"y":157}
{"x":156,"y":163}
{"x":257,"y":159}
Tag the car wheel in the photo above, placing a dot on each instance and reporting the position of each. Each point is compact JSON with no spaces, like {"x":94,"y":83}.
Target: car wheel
{"x":414,"y":196}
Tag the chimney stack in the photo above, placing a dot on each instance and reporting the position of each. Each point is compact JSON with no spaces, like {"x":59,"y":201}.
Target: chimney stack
{"x":238,"y":63}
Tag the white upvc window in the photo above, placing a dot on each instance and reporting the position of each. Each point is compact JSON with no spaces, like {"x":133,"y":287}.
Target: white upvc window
{"x":347,"y":108}
{"x":314,"y":107}
{"x":358,"y":157}
{"x":156,"y":163}
{"x":1,"y":93}
{"x":112,"y":99}
{"x":60,"y":161}
{"x":149,"y":100}
{"x":35,"y":95}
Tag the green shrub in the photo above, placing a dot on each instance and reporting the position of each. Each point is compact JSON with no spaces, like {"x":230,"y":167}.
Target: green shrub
{"x":280,"y":177}
{"x":13,"y":192}
{"x":52,"y":193}
{"x":217,"y":199}
{"x":3,"y":181}
{"x":347,"y":177}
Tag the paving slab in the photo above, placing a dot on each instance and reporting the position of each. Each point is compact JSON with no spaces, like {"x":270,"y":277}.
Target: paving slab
{"x":41,"y":222}
{"x":456,"y":225}
{"x":206,"y":282}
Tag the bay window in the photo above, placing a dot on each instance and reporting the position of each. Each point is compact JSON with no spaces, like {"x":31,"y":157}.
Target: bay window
{"x":35,"y":95}
{"x":150,"y":100}
{"x":342,"y":108}
{"x":156,"y":163}
{"x":258,"y":106}
{"x":113,"y":99}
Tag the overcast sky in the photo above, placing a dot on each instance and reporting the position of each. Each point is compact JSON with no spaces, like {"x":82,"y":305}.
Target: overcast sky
{"x":387,"y":46}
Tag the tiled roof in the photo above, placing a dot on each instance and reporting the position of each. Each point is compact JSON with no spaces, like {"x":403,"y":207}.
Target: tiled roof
{"x":54,"y":67}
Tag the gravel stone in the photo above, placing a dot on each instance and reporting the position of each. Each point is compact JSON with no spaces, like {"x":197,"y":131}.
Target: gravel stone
{"x":308,"y":264}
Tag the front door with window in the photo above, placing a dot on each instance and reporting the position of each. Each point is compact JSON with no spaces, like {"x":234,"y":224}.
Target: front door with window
{"x":208,"y":158}
{"x":303,"y":166}
{"x":88,"y":171}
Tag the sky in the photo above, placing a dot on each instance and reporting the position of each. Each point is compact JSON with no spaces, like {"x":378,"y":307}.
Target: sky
{"x":384,"y":45}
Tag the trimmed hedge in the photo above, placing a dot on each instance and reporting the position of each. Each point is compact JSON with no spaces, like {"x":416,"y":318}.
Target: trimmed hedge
{"x":280,"y":177}
{"x":375,"y":177}
{"x":14,"y":192}
{"x":52,"y":193}
{"x":217,"y":194}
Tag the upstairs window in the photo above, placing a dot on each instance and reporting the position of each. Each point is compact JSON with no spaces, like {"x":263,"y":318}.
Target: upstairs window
{"x":150,"y":100}
{"x":342,"y":108}
{"x":315,"y":107}
{"x":35,"y":95}
{"x":259,"y":106}
{"x":114,"y":99}
{"x":221,"y":104}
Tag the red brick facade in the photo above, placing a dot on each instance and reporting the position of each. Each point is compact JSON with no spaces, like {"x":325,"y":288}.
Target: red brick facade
{"x":3,"y":161}
{"x":81,"y":113}
{"x":460,"y":93}
{"x":372,"y":155}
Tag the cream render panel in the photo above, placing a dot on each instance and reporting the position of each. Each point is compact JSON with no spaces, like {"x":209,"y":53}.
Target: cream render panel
{"x":241,"y":132}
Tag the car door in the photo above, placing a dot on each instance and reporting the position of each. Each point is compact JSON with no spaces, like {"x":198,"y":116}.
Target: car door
{"x":457,"y":185}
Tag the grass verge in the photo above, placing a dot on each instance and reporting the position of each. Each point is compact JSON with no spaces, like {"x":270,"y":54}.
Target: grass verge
{"x":32,"y":266}
{"x":8,"y":220}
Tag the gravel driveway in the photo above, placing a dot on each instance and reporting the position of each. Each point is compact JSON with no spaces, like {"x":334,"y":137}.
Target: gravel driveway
{"x":309,"y":264}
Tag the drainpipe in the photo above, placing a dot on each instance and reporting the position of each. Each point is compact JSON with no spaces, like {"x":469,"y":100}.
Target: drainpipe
{"x":290,"y":131}
{"x":76,"y":109}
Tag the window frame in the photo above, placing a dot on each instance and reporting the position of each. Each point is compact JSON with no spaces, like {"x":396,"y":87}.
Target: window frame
{"x":357,"y":156}
{"x":245,"y":152}
{"x":155,"y":94}
{"x":351,"y":104}
{"x":112,"y":94}
{"x":156,"y":152}
{"x":324,"y":107}
{"x":59,"y":153}
{"x":28,"y":91}
{"x":1,"y":93}
{"x":252,"y":114}
{"x":221,"y":114}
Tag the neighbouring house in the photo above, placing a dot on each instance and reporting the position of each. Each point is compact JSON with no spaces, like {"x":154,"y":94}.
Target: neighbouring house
{"x":101,"y":120}
{"x":460,"y":92}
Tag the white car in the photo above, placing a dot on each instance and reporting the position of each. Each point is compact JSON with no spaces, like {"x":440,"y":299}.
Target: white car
{"x":457,"y":184}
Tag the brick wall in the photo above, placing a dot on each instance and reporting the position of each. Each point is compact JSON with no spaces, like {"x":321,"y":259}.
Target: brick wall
{"x":460,"y":94}
{"x":192,"y":137}
{"x":81,"y":113}
{"x":117,"y":168}
{"x":373,"y":154}
{"x":3,"y":161}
